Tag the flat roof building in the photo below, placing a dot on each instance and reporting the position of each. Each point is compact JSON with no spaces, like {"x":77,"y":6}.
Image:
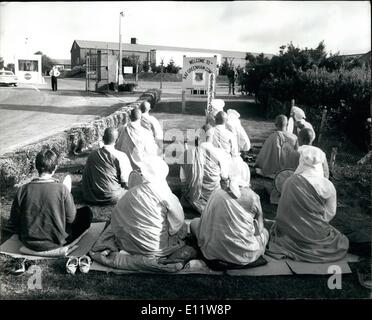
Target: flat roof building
{"x":151,"y":53}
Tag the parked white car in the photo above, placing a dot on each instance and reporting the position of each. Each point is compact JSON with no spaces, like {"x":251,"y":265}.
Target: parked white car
{"x":8,"y":78}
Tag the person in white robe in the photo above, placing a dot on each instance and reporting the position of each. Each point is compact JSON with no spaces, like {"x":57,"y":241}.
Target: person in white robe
{"x":234,"y":125}
{"x":204,"y":168}
{"x":231,"y":227}
{"x":302,"y":229}
{"x":135,"y":141}
{"x":217,"y":105}
{"x":150,"y":122}
{"x":226,"y":141}
{"x":278,"y":152}
{"x":297,"y":121}
{"x":149,"y":219}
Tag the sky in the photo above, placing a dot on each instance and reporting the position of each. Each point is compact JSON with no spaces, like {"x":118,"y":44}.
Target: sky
{"x":248,"y":26}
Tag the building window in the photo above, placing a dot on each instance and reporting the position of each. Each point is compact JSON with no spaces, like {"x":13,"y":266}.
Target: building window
{"x":77,"y":60}
{"x":28,"y":65}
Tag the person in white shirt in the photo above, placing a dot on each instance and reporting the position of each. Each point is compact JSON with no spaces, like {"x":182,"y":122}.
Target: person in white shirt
{"x":106,"y":172}
{"x":54,"y":73}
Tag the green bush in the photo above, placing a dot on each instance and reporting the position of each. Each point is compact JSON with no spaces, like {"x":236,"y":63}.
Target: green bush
{"x":345,"y":93}
{"x":127,"y":87}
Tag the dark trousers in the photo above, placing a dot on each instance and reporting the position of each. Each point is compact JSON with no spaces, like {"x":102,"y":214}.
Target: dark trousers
{"x":231,"y":87}
{"x":54,"y":83}
{"x":83,"y":219}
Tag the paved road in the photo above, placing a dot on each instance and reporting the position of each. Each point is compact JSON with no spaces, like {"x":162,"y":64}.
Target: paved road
{"x":29,"y":114}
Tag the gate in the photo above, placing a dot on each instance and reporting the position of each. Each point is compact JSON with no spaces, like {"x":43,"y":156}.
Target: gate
{"x":100,"y":68}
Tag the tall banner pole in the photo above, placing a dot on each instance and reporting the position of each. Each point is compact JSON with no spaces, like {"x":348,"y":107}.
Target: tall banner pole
{"x":210,"y":94}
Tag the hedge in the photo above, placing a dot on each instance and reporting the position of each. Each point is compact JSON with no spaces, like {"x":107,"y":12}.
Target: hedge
{"x":19,"y":165}
{"x":345,"y":93}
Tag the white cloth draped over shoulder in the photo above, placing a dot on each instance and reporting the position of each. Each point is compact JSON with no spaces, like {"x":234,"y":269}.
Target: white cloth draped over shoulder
{"x":137,"y":143}
{"x":235,"y":126}
{"x":227,"y":229}
{"x":149,"y":122}
{"x":225,"y":140}
{"x":308,"y":203}
{"x":277,"y":153}
{"x":147,"y":219}
{"x":204,"y":167}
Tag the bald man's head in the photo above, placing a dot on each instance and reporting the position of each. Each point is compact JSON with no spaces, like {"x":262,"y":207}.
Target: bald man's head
{"x":135,"y":114}
{"x":221,"y":117}
{"x":281,"y":122}
{"x":145,"y":106}
{"x":306,"y":136}
{"x":110,"y":135}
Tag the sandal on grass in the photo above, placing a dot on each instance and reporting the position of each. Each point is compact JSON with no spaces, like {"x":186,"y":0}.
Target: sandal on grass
{"x":16,"y":266}
{"x":71,"y":265}
{"x":84,"y":264}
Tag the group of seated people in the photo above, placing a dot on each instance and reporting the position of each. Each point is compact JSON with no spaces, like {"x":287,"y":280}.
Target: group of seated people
{"x":148,"y":219}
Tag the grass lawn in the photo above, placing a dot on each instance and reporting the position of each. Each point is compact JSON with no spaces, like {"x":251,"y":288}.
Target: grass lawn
{"x":354,"y":212}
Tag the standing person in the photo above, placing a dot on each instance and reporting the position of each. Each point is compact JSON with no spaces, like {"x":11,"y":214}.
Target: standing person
{"x":43,"y":212}
{"x":231,"y":75}
{"x":54,"y":73}
{"x":106,"y":172}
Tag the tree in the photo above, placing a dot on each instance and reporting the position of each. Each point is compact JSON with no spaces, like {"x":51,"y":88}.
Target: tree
{"x":1,"y":63}
{"x":10,"y":67}
{"x":171,"y":67}
{"x":145,"y":66}
{"x":224,"y":68}
{"x":47,"y":63}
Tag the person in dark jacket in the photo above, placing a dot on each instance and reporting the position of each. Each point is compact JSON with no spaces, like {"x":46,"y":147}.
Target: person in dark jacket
{"x":43,"y":212}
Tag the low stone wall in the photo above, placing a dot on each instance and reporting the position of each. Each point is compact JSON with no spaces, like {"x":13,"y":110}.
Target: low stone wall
{"x":19,"y":165}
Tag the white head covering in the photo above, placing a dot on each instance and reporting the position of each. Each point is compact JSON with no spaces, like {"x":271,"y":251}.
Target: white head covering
{"x":236,"y":180}
{"x":233,"y":117}
{"x":298,"y":113}
{"x":311,"y":161}
{"x":154,"y":169}
{"x":217,"y":105}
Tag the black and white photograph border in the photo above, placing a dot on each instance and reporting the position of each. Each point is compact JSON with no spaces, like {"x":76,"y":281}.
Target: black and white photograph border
{"x":138,"y":85}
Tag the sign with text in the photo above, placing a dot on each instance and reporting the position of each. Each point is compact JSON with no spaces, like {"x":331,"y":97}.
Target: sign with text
{"x":195,"y":74}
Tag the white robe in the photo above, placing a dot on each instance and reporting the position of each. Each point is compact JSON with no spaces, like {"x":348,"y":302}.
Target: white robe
{"x":227,"y":229}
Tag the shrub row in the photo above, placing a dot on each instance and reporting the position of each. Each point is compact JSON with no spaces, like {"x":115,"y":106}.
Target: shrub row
{"x":345,"y":93}
{"x":19,"y":165}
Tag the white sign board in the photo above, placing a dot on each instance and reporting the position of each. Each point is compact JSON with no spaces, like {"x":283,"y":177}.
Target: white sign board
{"x":128,"y":69}
{"x":195,"y":73}
{"x":28,"y":68}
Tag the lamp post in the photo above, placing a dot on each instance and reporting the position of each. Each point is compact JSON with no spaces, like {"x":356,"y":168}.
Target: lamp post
{"x":161,"y":73}
{"x":120,"y":77}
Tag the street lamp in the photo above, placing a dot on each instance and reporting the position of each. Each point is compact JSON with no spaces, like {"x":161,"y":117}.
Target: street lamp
{"x":120,"y":77}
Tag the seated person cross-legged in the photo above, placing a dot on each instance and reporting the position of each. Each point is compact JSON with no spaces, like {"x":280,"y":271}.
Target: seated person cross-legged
{"x":278,"y":152}
{"x":106,"y":172}
{"x":230,"y":232}
{"x":137,"y":142}
{"x":149,"y":219}
{"x":204,"y":168}
{"x":302,"y":229}
{"x":43,"y":212}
